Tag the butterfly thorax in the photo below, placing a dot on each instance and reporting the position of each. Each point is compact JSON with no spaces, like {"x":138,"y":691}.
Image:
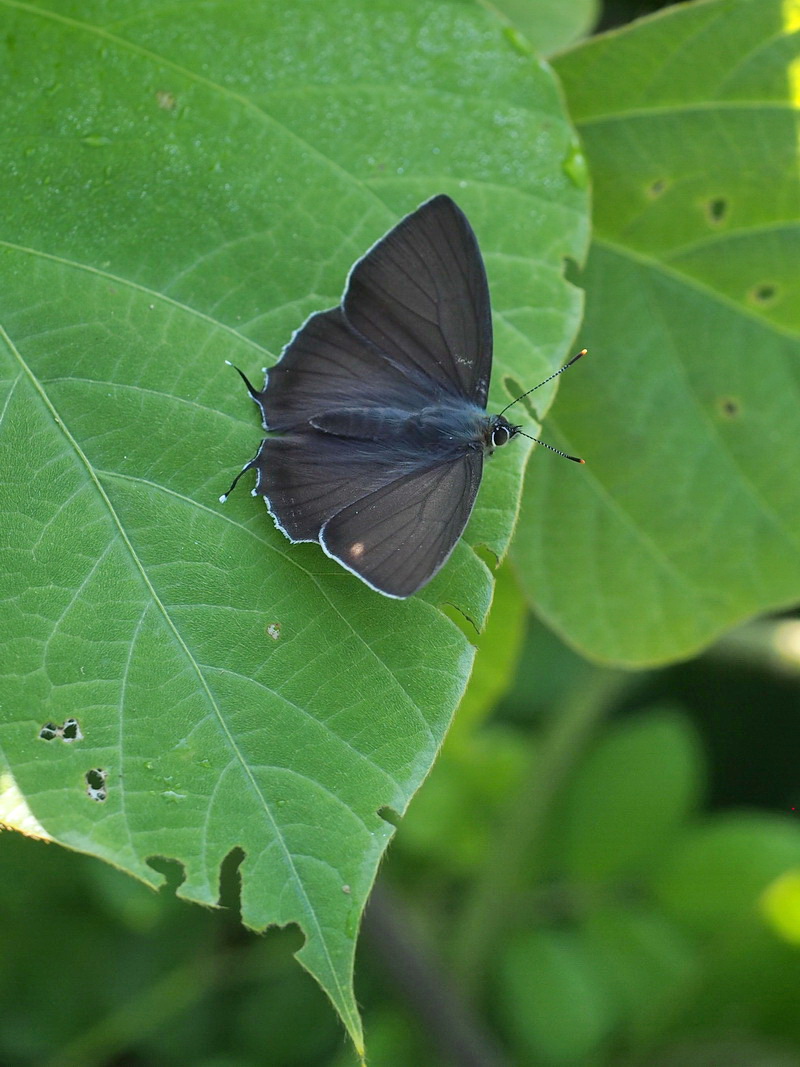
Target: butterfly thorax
{"x":447,"y":428}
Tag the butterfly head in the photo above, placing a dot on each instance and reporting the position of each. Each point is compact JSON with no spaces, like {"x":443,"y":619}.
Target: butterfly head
{"x":499,"y":431}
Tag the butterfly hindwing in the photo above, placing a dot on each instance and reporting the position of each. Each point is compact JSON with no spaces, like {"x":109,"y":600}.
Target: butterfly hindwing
{"x":399,"y":536}
{"x":307,"y":477}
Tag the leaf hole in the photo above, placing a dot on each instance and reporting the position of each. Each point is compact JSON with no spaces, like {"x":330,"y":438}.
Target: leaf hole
{"x":273,"y":630}
{"x":717,"y":210}
{"x":171,"y":870}
{"x":485,"y":555}
{"x":764,"y":294}
{"x":230,"y":881}
{"x":460,"y":619}
{"x":572,"y":269}
{"x":69,"y":731}
{"x":389,"y":815}
{"x":96,"y":784}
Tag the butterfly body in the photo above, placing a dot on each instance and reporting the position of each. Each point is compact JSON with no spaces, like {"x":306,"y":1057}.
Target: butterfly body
{"x":437,"y":430}
{"x":376,"y":409}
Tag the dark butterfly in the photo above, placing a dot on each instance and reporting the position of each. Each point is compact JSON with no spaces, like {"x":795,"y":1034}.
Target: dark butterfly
{"x":378,"y":407}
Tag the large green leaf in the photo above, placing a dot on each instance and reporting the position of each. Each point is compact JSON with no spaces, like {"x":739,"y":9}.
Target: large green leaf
{"x":184,"y":185}
{"x":686,"y":518}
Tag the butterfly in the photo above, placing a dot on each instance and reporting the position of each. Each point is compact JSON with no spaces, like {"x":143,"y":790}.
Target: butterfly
{"x":376,"y":409}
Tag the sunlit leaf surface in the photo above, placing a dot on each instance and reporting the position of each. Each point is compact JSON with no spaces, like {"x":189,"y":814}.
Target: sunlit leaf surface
{"x":184,"y":185}
{"x":686,"y":517}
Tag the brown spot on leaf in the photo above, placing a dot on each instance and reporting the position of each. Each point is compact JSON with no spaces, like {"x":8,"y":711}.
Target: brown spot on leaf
{"x":729,"y":407}
{"x":763,"y":294}
{"x":717,"y":210}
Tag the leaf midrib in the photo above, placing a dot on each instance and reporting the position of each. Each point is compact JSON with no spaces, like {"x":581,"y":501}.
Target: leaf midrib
{"x":680,"y":108}
{"x":691,"y":282}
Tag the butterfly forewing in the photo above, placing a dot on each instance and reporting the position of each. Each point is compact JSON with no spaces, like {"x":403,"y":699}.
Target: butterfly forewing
{"x":327,"y":366}
{"x":398,"y":537}
{"x":420,"y":294}
{"x":307,"y":477}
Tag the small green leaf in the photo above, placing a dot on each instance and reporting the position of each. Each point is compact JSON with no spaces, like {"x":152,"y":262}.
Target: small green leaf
{"x":630,"y":797}
{"x":553,"y":998}
{"x":716,"y":874}
{"x":647,"y":964}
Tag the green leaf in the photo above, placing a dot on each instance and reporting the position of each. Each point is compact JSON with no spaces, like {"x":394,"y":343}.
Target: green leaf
{"x":648,"y":966}
{"x":684,"y":520}
{"x":631,"y":795}
{"x":716,"y":874}
{"x":187,"y":184}
{"x":553,"y":998}
{"x":548,"y":25}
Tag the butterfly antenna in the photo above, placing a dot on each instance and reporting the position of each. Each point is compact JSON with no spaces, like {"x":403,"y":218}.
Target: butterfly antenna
{"x":539,"y":386}
{"x":558,"y":452}
{"x":252,"y":389}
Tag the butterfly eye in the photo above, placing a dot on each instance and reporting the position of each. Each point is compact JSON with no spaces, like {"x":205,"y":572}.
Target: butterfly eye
{"x":500,"y":436}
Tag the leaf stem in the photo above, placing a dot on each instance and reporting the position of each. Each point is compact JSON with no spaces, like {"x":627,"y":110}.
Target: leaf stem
{"x":489,"y":907}
{"x":455,"y":1030}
